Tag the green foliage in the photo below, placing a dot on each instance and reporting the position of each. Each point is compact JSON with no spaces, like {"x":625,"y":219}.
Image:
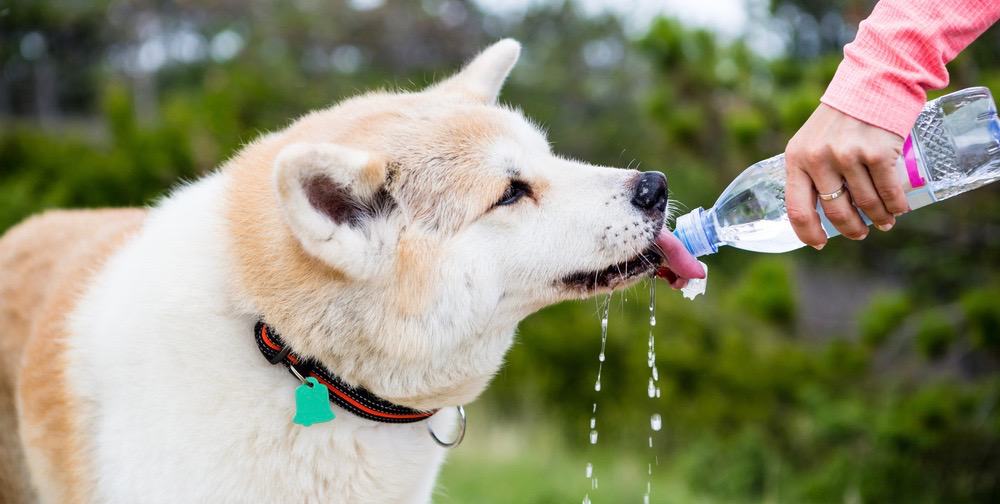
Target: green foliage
{"x":928,"y":444}
{"x":935,"y":332}
{"x":766,"y":291}
{"x":883,"y":315}
{"x":982,"y":312}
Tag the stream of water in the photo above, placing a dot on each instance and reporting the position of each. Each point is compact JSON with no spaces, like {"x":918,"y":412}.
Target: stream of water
{"x":589,"y":470}
{"x":652,"y":389}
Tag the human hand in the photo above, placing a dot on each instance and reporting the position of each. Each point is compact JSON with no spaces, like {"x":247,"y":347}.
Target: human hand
{"x":831,"y":149}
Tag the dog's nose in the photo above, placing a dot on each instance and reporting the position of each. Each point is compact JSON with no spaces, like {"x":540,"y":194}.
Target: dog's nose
{"x":651,"y":191}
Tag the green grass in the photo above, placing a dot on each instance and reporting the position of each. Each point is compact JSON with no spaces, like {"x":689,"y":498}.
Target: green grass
{"x":529,"y":463}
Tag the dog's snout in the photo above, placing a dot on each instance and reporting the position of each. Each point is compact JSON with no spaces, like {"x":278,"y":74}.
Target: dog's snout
{"x":651,"y":191}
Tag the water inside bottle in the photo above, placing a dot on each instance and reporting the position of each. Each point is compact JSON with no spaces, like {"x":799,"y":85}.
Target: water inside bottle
{"x":773,"y":235}
{"x":751,"y":213}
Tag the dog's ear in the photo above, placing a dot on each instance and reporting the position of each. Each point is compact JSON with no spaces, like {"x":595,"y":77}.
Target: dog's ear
{"x":483,"y":77}
{"x":332,"y":197}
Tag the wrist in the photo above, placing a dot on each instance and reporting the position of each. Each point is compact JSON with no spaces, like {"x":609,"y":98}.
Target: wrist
{"x":892,"y":110}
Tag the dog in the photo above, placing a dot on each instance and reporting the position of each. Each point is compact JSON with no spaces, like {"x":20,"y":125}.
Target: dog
{"x":383,"y":249}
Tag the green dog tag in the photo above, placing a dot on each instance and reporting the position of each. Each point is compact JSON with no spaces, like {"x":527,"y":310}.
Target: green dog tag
{"x":312,"y":403}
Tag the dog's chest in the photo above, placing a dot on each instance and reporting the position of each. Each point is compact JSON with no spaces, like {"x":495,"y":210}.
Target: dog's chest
{"x":213,"y":444}
{"x":181,"y":406}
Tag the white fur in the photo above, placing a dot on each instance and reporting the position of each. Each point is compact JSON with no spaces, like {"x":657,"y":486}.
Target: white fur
{"x":185,"y":409}
{"x":484,"y":76}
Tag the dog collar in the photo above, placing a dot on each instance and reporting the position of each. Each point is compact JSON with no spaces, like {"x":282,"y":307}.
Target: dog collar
{"x":357,"y":400}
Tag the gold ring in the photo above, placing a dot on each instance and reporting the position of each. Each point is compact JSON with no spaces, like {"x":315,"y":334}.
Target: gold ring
{"x":834,"y":195}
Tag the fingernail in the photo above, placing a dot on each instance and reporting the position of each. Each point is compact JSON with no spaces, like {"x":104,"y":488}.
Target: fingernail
{"x":884,"y":227}
{"x":819,"y":247}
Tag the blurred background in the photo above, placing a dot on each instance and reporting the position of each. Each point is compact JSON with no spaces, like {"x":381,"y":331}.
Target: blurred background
{"x":865,"y":373}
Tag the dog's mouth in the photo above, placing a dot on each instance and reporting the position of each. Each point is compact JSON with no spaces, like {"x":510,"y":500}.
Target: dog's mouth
{"x":616,"y":275}
{"x":666,"y":257}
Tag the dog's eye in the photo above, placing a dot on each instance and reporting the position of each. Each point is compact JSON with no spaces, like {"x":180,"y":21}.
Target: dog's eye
{"x":515,"y":191}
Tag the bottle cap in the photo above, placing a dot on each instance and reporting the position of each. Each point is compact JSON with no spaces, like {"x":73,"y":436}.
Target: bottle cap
{"x":690,"y":230}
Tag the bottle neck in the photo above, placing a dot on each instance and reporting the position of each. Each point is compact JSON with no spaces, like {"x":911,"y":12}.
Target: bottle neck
{"x":696,"y":230}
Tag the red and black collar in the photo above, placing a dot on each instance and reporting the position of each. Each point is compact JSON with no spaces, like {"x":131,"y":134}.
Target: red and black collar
{"x":354,"y":399}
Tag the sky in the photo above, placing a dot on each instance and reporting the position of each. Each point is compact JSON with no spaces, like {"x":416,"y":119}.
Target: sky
{"x":727,"y":18}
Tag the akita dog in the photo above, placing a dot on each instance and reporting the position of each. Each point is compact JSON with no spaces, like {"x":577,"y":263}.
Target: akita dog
{"x":383,"y":250}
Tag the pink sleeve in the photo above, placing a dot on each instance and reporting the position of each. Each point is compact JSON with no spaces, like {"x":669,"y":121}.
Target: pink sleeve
{"x":899,"y":53}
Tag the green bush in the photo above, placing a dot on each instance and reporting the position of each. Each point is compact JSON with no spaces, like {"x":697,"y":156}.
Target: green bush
{"x":883,"y":315}
{"x":982,"y":314}
{"x":935,"y":333}
{"x":766,"y":291}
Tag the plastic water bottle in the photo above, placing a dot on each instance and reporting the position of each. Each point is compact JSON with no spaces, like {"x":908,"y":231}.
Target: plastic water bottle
{"x":954,"y":147}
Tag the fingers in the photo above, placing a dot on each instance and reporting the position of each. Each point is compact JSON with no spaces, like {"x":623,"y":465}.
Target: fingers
{"x":865,"y":196}
{"x":887,"y":184}
{"x":831,"y":150}
{"x":800,"y":202}
{"x":840,"y":212}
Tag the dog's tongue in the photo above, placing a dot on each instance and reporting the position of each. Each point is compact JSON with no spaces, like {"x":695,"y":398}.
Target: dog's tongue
{"x":680,"y":265}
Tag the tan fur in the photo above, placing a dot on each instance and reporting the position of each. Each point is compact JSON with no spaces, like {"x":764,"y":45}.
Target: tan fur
{"x":413,"y":269}
{"x":267,"y":254}
{"x":375,"y":171}
{"x":45,"y":263}
{"x":271,"y":263}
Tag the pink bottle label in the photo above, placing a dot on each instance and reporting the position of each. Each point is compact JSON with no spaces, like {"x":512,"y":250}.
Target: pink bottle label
{"x":910,"y":160}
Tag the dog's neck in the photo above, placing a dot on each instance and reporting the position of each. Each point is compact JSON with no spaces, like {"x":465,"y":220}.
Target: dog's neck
{"x":353,"y":399}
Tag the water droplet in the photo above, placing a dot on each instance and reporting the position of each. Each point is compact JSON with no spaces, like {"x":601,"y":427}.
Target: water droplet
{"x":594,"y":408}
{"x":651,"y":389}
{"x":586,"y":499}
{"x":597,"y":385}
{"x":650,"y":441}
{"x":600,"y":357}
{"x":652,"y":304}
{"x":656,"y":374}
{"x":655,"y":422}
{"x":593,"y":437}
{"x":645,"y":500}
{"x":593,"y":422}
{"x":594,"y":482}
{"x":657,"y":392}
{"x":590,"y":470}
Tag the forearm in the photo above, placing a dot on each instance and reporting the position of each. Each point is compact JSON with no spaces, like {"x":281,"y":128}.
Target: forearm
{"x":900,"y":52}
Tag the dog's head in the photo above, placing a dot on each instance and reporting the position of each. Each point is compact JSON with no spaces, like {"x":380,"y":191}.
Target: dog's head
{"x":400,"y":237}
